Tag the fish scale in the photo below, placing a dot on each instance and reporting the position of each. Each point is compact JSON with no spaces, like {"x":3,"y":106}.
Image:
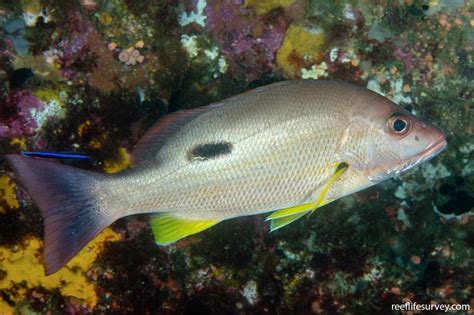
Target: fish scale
{"x":297,"y":167}
{"x":271,"y":144}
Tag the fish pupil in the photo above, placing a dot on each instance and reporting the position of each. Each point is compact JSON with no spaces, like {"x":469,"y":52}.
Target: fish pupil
{"x":399,"y":125}
{"x":206,"y":151}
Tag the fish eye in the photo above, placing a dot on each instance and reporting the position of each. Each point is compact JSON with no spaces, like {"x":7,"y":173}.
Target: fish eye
{"x":398,"y":125}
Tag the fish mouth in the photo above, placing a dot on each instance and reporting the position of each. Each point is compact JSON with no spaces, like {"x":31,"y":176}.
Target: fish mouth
{"x":427,"y":154}
{"x":432,"y":150}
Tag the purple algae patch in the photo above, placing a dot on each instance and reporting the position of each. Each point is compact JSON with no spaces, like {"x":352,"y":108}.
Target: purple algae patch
{"x":248,"y":40}
{"x":16,"y":114}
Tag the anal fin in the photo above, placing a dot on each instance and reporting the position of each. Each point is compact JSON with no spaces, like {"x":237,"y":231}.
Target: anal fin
{"x":168,"y":229}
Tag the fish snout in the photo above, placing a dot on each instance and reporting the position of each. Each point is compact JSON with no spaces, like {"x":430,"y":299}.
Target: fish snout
{"x":435,"y":139}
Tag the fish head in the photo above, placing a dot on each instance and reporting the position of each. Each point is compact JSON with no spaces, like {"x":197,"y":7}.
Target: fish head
{"x":391,"y":140}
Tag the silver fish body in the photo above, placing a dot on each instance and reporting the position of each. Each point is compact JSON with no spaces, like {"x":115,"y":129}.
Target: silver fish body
{"x":268,"y":149}
{"x":285,"y":140}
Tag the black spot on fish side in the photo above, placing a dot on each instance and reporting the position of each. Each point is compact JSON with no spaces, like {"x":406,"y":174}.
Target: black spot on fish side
{"x":206,"y":151}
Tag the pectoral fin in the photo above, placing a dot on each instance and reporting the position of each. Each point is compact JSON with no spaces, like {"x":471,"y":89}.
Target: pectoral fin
{"x":281,"y":222}
{"x":284,"y":217}
{"x":168,"y":229}
{"x":290,"y":211}
{"x":340,"y":169}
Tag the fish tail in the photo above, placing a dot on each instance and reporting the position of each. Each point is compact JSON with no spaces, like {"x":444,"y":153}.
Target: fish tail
{"x":71,"y":215}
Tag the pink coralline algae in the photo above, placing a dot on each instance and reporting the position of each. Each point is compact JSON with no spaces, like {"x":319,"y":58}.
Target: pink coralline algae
{"x":85,"y":56}
{"x":249,"y":42}
{"x":16,"y":114}
{"x":79,"y":32}
{"x":131,"y":56}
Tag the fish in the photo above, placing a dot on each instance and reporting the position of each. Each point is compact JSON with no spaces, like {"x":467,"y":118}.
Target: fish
{"x":285,"y":149}
{"x":58,"y":155}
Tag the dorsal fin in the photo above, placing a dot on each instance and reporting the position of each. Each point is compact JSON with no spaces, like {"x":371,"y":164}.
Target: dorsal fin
{"x":156,"y":136}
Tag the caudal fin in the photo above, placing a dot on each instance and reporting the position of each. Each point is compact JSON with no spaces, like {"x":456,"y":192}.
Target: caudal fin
{"x":67,"y":199}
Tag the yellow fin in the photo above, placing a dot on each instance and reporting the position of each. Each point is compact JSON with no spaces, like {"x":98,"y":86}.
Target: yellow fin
{"x":296,"y":212}
{"x":290,"y":211}
{"x":281,"y":222}
{"x":341,"y":168}
{"x":168,"y":229}
{"x":281,"y":218}
{"x":324,"y":202}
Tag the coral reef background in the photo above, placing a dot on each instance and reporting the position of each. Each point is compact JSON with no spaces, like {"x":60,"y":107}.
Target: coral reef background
{"x":92,"y":75}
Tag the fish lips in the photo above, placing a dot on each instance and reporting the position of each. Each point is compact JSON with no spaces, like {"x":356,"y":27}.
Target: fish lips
{"x":432,"y":150}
